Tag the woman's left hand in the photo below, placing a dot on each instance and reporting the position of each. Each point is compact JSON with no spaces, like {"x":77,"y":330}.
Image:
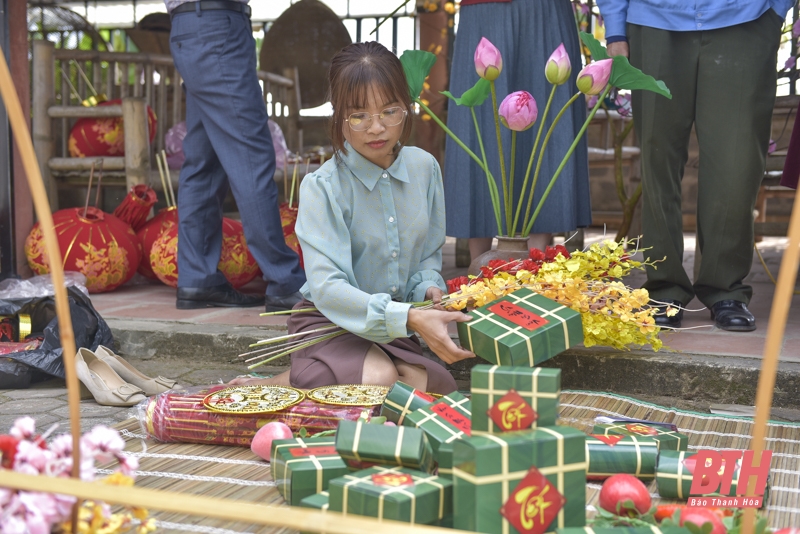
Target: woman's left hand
{"x":435,"y":294}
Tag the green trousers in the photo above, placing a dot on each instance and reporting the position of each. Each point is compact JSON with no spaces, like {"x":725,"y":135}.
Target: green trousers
{"x":723,"y":82}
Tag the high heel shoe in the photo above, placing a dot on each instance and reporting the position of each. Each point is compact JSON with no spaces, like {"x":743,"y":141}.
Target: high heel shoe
{"x":103,"y":383}
{"x":150,"y":386}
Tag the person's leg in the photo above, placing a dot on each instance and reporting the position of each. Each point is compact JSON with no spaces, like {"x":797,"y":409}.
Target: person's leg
{"x":378,"y":370}
{"x":203,"y":183}
{"x":416,"y":377}
{"x":235,"y":118}
{"x":479,"y":245}
{"x":663,"y":127}
{"x":540,"y":241}
{"x":277,"y":380}
{"x":735,"y":98}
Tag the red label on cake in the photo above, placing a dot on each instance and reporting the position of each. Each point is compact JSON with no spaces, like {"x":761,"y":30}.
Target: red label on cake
{"x":392,"y":479}
{"x":639,"y":428}
{"x":452,"y":416}
{"x":517,"y":315}
{"x":423,"y":396}
{"x":511,"y":412}
{"x":313,"y":451}
{"x":608,"y":440}
{"x":534,"y":504}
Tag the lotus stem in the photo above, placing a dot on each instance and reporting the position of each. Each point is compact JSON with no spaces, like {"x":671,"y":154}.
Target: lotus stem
{"x":272,"y":340}
{"x":541,"y":157}
{"x":493,"y":193}
{"x":299,"y":347}
{"x":567,"y":156}
{"x":503,"y":181}
{"x":530,"y":162}
{"x":287,"y":312}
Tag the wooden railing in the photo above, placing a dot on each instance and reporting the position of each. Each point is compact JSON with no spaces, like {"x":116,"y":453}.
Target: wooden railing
{"x":62,"y":79}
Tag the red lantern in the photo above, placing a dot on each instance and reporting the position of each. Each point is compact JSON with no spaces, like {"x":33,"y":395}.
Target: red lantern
{"x":288,"y":220}
{"x":236,"y":262}
{"x":164,"y":255}
{"x":135,"y":207}
{"x":103,"y":136}
{"x":94,"y":243}
{"x":148,"y":234}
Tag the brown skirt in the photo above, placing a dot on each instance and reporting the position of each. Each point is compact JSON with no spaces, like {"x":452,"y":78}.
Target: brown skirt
{"x":341,"y":360}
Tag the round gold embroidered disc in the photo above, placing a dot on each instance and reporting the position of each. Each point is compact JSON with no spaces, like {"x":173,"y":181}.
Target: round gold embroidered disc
{"x":349,"y":395}
{"x":253,"y":399}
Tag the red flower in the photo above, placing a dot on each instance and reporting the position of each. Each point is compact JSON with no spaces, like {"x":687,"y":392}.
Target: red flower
{"x":530,"y":265}
{"x":536,"y":254}
{"x":500,"y":265}
{"x":456,"y":283}
{"x":487,"y":272}
{"x":550,"y":253}
{"x":8,"y":449}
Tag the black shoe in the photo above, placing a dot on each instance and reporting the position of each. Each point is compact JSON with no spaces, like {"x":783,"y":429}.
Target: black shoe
{"x":281,"y":303}
{"x":661,"y":317}
{"x":223,"y":296}
{"x":733,"y":315}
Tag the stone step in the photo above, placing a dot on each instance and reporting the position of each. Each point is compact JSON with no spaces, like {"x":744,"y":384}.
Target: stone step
{"x":693,"y":377}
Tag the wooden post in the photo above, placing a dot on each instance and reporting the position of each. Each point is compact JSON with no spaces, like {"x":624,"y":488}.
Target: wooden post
{"x":44,"y":93}
{"x":294,"y":133}
{"x":433,"y":37}
{"x":137,"y":141}
{"x":20,"y":72}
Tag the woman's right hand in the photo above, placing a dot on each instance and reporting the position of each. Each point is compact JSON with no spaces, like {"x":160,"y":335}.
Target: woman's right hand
{"x":431,"y":325}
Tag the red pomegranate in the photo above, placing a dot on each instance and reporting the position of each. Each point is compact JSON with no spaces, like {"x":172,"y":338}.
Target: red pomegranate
{"x":620,"y":488}
{"x":700,"y":516}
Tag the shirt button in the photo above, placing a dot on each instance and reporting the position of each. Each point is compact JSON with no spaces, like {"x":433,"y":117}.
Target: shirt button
{"x":391,"y":219}
{"x":394,"y":254}
{"x":394,"y":288}
{"x":385,"y":175}
{"x":699,"y":15}
{"x":700,"y":25}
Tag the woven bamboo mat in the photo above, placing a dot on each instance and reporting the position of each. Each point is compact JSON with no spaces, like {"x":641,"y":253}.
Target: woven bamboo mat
{"x":236,"y":473}
{"x":705,"y":431}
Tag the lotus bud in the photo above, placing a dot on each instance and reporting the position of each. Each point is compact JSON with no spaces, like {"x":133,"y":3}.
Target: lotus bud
{"x":558,"y":68}
{"x":488,"y":61}
{"x":592,"y":80}
{"x":518,"y":111}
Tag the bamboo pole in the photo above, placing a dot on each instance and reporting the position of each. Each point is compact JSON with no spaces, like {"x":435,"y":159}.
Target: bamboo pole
{"x":42,"y":97}
{"x":22,"y":138}
{"x":137,"y":141}
{"x":302,"y":519}
{"x":781,"y":303}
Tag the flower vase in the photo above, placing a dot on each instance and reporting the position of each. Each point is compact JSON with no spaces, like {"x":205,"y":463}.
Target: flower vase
{"x":515,"y":248}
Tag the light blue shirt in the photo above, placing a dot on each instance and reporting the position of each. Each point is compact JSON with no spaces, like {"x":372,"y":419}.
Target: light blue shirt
{"x":685,"y":15}
{"x":372,"y":240}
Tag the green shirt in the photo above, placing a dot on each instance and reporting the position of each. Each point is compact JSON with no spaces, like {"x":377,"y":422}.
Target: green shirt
{"x":372,"y":240}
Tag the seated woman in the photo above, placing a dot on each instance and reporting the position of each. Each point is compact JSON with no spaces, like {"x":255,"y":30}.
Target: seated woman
{"x":371,"y":224}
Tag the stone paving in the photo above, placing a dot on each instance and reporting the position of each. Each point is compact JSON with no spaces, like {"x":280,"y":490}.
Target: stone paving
{"x":147,"y":327}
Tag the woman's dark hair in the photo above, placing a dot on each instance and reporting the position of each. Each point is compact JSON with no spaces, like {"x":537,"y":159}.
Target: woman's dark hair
{"x":354,"y":69}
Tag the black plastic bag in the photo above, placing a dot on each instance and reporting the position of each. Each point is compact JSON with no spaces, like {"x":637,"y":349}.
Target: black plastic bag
{"x":89,"y":327}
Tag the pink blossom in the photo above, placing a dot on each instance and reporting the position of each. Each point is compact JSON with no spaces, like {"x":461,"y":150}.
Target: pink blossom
{"x":773,"y":146}
{"x":518,"y":111}
{"x":558,"y":67}
{"x":592,"y":102}
{"x":128,"y":464}
{"x":62,"y":446}
{"x":30,"y":454}
{"x":24,"y":428}
{"x":593,"y":79}
{"x":105,"y":443}
{"x":488,"y":60}
{"x":623,"y":103}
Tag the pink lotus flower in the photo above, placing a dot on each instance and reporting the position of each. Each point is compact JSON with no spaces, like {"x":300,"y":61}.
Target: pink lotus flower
{"x":593,"y":79}
{"x":488,"y":61}
{"x":518,"y":111}
{"x":558,"y":67}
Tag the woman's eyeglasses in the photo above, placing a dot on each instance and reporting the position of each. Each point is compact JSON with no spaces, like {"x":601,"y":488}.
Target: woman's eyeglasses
{"x":388,"y":117}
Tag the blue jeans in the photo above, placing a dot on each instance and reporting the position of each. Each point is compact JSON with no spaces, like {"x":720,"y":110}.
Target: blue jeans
{"x":227,"y":143}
